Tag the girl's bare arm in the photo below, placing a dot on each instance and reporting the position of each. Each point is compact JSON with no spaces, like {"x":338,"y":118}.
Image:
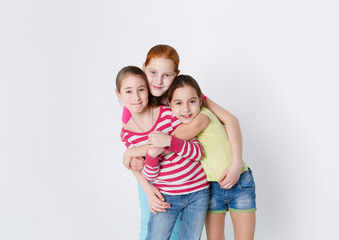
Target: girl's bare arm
{"x":231,"y":123}
{"x":192,"y":129}
{"x":133,"y":153}
{"x":232,"y":126}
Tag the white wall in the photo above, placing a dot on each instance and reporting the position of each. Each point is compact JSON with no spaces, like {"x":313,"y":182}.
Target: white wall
{"x":274,"y":64}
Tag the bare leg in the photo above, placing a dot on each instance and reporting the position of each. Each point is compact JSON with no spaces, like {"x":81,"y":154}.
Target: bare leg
{"x":215,"y":224}
{"x":243,"y":225}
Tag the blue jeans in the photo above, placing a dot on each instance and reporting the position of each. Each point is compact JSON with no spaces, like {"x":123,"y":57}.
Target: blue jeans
{"x":193,"y":207}
{"x":145,"y":214}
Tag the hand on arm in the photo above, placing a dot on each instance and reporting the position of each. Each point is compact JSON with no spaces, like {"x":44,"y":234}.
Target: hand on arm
{"x":158,"y":140}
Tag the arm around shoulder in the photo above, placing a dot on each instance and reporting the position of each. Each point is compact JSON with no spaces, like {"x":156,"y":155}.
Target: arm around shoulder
{"x":224,"y":116}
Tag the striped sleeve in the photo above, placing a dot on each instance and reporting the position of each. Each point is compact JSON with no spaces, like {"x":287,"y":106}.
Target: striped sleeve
{"x":151,"y":168}
{"x":191,"y":150}
{"x":173,"y":120}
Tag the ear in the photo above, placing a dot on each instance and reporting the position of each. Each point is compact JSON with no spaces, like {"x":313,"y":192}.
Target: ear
{"x":178,"y":72}
{"x":143,"y":67}
{"x":117,"y":93}
{"x":168,"y":102}
{"x":201,"y":99}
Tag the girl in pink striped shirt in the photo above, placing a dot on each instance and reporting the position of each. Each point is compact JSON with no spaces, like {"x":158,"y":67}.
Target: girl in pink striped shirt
{"x":180,"y":176}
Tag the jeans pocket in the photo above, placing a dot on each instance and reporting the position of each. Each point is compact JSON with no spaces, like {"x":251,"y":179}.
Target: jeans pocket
{"x":246,"y":180}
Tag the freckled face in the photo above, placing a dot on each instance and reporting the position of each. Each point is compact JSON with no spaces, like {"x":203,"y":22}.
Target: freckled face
{"x":185,"y":104}
{"x":160,"y":74}
{"x":134,"y":93}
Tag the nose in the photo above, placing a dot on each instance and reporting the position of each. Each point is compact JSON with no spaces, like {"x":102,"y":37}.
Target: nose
{"x":159,"y":80}
{"x":186,"y":108}
{"x":137,"y":96}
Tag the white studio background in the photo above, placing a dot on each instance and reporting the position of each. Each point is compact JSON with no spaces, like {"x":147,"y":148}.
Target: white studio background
{"x":273,"y":64}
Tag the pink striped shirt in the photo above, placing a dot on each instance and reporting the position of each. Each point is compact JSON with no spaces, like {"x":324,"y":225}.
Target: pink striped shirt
{"x":179,"y":172}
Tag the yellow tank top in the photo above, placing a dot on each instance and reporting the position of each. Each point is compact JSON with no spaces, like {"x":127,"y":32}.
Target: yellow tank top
{"x":217,"y":149}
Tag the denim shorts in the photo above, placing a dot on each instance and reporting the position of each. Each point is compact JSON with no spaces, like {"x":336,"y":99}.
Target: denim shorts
{"x":240,"y":198}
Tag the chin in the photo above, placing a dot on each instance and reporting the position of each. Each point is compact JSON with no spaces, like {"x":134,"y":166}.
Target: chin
{"x":157,"y":93}
{"x":139,"y":109}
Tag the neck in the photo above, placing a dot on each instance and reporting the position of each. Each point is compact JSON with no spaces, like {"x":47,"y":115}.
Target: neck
{"x":143,"y":121}
{"x":145,"y":114}
{"x":161,"y":100}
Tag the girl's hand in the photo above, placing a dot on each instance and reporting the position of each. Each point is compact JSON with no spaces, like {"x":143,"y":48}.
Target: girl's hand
{"x":137,"y":164}
{"x":230,"y":176}
{"x":155,"y":152}
{"x":159,"y":140}
{"x":156,"y":202}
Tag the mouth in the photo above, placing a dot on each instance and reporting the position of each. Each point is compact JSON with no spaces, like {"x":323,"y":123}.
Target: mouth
{"x":187,"y":116}
{"x":137,"y":104}
{"x":157,"y":88}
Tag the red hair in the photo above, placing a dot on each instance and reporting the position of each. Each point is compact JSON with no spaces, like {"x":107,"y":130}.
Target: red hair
{"x":164,"y":51}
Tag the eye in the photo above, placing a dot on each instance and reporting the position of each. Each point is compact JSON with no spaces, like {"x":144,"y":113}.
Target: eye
{"x":128,"y":91}
{"x":167,"y":75}
{"x":142,"y":89}
{"x":177,"y":103}
{"x":193,"y":101}
{"x":153,"y":72}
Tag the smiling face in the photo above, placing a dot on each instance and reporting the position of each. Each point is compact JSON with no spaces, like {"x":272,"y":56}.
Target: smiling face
{"x":160,"y":74}
{"x":134,"y":93}
{"x":185,"y":103}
